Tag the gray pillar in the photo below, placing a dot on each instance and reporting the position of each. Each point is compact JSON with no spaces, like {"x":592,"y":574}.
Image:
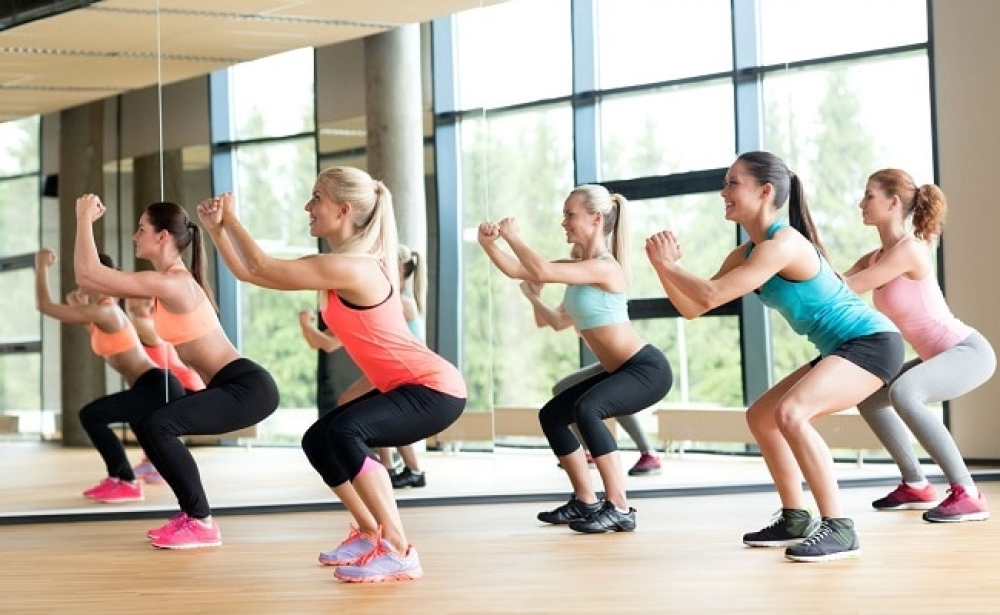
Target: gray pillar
{"x":394,"y":111}
{"x":80,"y":161}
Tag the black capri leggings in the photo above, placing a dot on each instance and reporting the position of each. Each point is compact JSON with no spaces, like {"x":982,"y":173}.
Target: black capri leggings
{"x":338,"y":443}
{"x":240,"y":395}
{"x":150,"y":391}
{"x":639,"y":383}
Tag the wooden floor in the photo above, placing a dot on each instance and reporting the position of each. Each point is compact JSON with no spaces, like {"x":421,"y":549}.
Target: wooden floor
{"x":685,"y":557}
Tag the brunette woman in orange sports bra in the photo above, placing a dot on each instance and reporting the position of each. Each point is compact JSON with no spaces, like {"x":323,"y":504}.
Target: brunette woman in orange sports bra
{"x":113,"y":338}
{"x":239,"y":392}
{"x":417,"y":393}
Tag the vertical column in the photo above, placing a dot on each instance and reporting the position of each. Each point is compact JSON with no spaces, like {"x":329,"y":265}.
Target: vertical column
{"x":80,"y":161}
{"x":393,"y":108}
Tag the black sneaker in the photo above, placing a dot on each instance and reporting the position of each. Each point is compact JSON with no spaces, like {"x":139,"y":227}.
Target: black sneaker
{"x":570,"y":511}
{"x":835,"y":539}
{"x":606,"y":519}
{"x":408,"y":478}
{"x":789,"y":527}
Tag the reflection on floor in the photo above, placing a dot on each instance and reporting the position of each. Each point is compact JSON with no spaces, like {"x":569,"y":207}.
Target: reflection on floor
{"x":46,"y":480}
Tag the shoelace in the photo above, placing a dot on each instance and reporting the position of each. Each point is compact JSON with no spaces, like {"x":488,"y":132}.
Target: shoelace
{"x":377,"y":550}
{"x":353,"y":535}
{"x":954,"y":494}
{"x":817,"y":536}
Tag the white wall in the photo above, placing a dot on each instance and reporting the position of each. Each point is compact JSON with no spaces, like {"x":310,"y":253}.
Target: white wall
{"x":967,"y":85}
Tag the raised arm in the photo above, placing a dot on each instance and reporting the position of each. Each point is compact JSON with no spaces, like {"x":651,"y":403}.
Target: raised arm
{"x":508,"y":265}
{"x":250,"y":263}
{"x":908,"y":257}
{"x":738,"y":275}
{"x":316,"y":339}
{"x":79,"y":313}
{"x":545,"y":316}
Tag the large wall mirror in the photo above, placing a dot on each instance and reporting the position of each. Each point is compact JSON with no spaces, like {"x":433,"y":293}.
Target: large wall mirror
{"x":508,"y":129}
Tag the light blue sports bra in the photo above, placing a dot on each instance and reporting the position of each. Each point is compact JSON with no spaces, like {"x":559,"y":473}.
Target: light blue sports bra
{"x":590,"y":307}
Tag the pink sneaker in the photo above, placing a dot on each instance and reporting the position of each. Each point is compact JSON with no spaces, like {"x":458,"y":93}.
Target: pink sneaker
{"x":168,"y":527}
{"x":350,"y":550}
{"x":104,"y":484}
{"x":905,"y":497}
{"x":959,"y":506}
{"x":382,"y":564}
{"x":119,"y":492}
{"x":190,"y":534}
{"x":648,"y":464}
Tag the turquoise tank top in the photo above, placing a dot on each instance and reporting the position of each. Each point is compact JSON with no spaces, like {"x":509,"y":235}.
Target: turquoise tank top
{"x":821,"y":308}
{"x":590,"y":307}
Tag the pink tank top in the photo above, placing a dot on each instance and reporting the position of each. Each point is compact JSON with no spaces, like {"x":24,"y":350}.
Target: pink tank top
{"x":385,"y":350}
{"x":918,"y":309}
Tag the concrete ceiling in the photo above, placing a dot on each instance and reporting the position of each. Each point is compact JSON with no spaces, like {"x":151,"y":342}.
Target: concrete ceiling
{"x":114,"y":46}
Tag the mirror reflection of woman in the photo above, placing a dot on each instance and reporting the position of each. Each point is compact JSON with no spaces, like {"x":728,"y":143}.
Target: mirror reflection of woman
{"x":114,"y":339}
{"x":239,"y":392}
{"x":164,"y":355}
{"x":417,"y":393}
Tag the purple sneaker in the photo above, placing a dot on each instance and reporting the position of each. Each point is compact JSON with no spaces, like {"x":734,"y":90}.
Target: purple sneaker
{"x":382,"y":564}
{"x":350,"y":550}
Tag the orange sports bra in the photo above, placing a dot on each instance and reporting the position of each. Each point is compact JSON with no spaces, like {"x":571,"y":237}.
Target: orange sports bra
{"x":106,"y":344}
{"x":182,"y":328}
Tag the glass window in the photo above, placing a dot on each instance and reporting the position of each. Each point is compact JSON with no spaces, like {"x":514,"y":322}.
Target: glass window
{"x":667,"y":130}
{"x":646,"y":41}
{"x":274,"y":182}
{"x":513,"y":164}
{"x":792,"y":30}
{"x":697,"y":219}
{"x":273,"y":97}
{"x":513,"y":52}
{"x":21,"y":397}
{"x":835,"y":125}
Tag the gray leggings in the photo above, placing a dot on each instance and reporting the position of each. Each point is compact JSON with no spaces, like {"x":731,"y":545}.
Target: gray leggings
{"x":901,"y":405}
{"x":629,"y":422}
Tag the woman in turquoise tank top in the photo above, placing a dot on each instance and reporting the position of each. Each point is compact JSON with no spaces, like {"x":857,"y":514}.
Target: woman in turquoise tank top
{"x":859,"y":349}
{"x":635,"y":375}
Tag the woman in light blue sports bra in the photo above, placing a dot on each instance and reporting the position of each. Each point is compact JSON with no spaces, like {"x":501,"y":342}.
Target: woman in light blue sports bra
{"x":859,"y":349}
{"x":636,"y":375}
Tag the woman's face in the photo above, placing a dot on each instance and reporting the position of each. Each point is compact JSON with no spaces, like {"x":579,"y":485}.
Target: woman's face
{"x":741,"y":193}
{"x":579,"y":224}
{"x":322,"y":213}
{"x":145,"y":238}
{"x":875,"y":204}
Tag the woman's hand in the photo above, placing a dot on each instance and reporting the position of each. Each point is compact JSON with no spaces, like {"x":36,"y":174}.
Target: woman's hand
{"x":44,"y":258}
{"x":210,"y":212}
{"x":307,"y":318}
{"x":530,"y":289}
{"x":488,"y":233}
{"x":663,"y":248}
{"x":508,"y":228}
{"x":89,"y":208}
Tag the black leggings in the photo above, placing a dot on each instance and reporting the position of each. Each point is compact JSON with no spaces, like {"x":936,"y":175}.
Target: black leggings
{"x":240,"y":395}
{"x":639,"y":383}
{"x":150,"y":391}
{"x":338,"y":443}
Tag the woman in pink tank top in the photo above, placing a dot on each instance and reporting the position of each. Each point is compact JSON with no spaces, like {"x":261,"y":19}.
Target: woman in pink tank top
{"x":952,"y":357}
{"x":416,"y":392}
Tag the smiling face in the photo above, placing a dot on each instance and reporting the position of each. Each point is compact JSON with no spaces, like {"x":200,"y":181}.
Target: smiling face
{"x":579,"y":224}
{"x":323,"y":218}
{"x":741,"y":193}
